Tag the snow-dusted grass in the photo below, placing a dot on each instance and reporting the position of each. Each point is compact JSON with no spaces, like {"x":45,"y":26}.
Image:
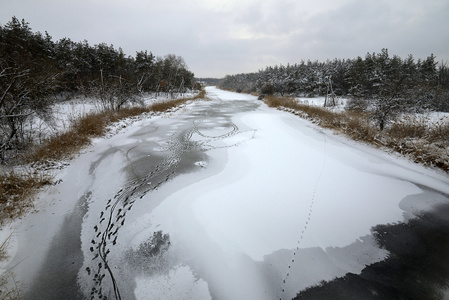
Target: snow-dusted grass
{"x":16,"y":191}
{"x":67,"y":111}
{"x":433,"y":126}
{"x":77,"y":123}
{"x":73,"y":126}
{"x":421,"y":137}
{"x":86,"y":124}
{"x":9,"y":287}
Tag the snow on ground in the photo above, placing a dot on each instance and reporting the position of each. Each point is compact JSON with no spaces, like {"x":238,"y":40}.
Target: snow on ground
{"x":291,"y":177}
{"x":429,"y":119}
{"x":340,"y":102}
{"x":65,"y":112}
{"x":62,"y":115}
{"x":275,"y":204}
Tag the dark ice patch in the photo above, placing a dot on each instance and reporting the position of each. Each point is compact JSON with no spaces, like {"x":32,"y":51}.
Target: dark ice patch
{"x":417,"y":266}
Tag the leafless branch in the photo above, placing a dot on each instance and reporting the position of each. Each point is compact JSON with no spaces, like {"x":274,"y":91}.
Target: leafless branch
{"x":17,"y":115}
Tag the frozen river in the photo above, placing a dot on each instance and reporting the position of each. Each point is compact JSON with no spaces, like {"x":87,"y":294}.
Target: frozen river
{"x":230,"y":199}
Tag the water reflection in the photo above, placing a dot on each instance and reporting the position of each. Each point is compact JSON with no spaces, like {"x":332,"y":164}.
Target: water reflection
{"x":417,"y":266}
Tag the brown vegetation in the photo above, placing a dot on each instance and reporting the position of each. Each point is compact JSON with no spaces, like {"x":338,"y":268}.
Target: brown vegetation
{"x":9,"y":287}
{"x":16,"y":191}
{"x":411,"y":136}
{"x":18,"y":188}
{"x":167,"y":105}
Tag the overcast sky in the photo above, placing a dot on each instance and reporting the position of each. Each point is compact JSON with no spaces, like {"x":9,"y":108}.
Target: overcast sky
{"x":219,"y":37}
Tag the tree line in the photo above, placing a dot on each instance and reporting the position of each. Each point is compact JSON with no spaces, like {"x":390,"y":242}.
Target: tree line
{"x":34,"y":69}
{"x":378,"y":81}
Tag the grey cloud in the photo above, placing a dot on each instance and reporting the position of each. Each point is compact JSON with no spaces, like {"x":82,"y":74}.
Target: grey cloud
{"x":360,"y":27}
{"x":210,"y":36}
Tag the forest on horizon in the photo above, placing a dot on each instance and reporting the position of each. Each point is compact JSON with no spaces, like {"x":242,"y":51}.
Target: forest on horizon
{"x":424,"y":84}
{"x":36,"y":72}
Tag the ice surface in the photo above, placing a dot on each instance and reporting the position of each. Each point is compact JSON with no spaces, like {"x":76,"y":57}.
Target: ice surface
{"x":271,"y":196}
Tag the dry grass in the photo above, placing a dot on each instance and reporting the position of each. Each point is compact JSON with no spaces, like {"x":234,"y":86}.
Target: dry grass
{"x":16,"y":192}
{"x":439,"y":131}
{"x":413,"y":137}
{"x":170,"y":104}
{"x":166,"y":105}
{"x":3,"y":247}
{"x":17,"y":189}
{"x":9,"y":288}
{"x":82,"y":130}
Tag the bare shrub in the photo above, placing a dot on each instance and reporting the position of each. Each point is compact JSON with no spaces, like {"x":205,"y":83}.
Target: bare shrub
{"x":357,"y":104}
{"x":267,"y":89}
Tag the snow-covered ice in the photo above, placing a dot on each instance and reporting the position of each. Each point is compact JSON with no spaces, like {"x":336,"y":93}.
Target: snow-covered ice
{"x":259,"y":201}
